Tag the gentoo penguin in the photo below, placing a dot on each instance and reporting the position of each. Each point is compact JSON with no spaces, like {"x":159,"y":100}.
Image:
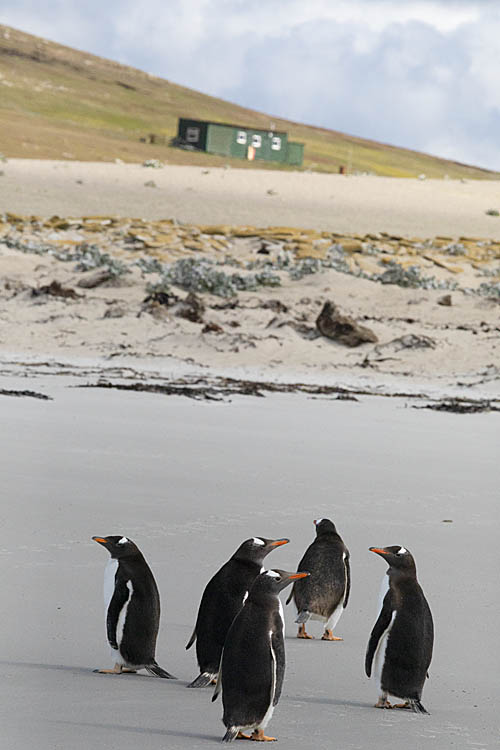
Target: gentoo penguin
{"x":253,"y":659}
{"x":222,"y":600}
{"x":400,"y":645}
{"x":324,"y":595}
{"x":132,"y":606}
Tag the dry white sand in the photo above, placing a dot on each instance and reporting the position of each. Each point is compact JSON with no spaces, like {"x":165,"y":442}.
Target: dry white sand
{"x":255,"y":341}
{"x":188,"y":481}
{"x":410,"y":207}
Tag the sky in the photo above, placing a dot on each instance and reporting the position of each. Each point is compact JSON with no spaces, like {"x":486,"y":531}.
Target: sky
{"x":422,"y":74}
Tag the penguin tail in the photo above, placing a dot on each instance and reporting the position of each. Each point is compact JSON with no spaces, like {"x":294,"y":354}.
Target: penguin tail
{"x":417,"y":707}
{"x":157,"y":671}
{"x":303,"y":616}
{"x":231,"y":734}
{"x":203,"y":679}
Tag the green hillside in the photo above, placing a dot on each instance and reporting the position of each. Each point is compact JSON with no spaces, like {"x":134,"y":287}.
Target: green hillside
{"x":57,"y":102}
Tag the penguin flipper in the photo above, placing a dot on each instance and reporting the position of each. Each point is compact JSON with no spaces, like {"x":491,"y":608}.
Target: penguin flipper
{"x":383,"y":622}
{"x":347,"y":581}
{"x":118,"y":601}
{"x":192,"y":639}
{"x":290,"y":597}
{"x":157,"y":671}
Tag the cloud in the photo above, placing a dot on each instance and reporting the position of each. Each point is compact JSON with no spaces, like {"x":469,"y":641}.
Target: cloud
{"x":421,"y":74}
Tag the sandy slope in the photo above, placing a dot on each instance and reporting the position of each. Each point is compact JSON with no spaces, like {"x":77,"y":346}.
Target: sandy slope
{"x":424,"y":208}
{"x":111,"y":323}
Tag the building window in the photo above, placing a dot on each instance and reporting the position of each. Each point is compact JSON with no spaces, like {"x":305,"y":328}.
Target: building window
{"x":256,"y":141}
{"x":192,"y":135}
{"x":241,"y":137}
{"x":276,"y":143}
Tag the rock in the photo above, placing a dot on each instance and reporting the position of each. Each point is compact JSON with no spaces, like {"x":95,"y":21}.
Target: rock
{"x":342,"y":328}
{"x":153,"y":163}
{"x":445,"y":300}
{"x":275,"y":305}
{"x":95,"y":278}
{"x":191,"y":308}
{"x":212,"y":328}
{"x":55,"y":289}
{"x":115,"y":310}
{"x":410,"y":341}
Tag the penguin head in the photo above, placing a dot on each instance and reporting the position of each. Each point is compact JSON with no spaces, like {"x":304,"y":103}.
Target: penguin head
{"x":274,"y":581}
{"x":397,"y":557}
{"x":324,"y":526}
{"x":118,"y":546}
{"x":257,"y":547}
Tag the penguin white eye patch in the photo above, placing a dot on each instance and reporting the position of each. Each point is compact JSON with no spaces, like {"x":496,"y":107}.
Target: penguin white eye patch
{"x":123,"y":540}
{"x":402,"y":551}
{"x":272,"y":574}
{"x":256,"y":540}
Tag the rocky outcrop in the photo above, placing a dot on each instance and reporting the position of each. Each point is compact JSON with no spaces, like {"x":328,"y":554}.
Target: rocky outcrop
{"x":342,"y":328}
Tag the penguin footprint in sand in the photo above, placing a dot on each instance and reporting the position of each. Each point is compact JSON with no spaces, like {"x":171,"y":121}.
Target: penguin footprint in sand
{"x":400,"y":647}
{"x":132,"y":606}
{"x":253,"y":659}
{"x":324,"y":595}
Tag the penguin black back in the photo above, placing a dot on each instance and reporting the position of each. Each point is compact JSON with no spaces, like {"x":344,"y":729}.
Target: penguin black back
{"x":325,"y":593}
{"x":400,"y":647}
{"x":221,"y":601}
{"x":253,"y":660}
{"x":132,"y":607}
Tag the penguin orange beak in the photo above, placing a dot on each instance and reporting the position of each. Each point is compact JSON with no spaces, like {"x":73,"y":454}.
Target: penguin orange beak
{"x":279,"y":542}
{"x":100,"y":539}
{"x":294,"y":576}
{"x":378,"y":550}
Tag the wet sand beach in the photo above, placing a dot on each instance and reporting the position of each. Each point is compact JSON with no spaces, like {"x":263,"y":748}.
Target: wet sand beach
{"x":188,"y":481}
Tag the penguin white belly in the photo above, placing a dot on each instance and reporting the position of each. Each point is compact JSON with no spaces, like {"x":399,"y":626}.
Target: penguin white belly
{"x":335,"y":616}
{"x":379,"y":658}
{"x":268,"y":715}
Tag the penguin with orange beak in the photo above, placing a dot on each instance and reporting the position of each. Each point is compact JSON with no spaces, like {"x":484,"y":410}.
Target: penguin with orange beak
{"x":253,"y":660}
{"x":132,"y":604}
{"x":400,"y":647}
{"x":222,"y":599}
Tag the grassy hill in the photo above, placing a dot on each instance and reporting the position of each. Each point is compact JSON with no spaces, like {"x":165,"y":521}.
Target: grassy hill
{"x":57,"y":102}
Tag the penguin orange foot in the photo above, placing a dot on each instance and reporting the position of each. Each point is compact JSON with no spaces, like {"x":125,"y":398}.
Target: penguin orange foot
{"x":259,"y":736}
{"x":328,"y":636}
{"x":406,"y":705}
{"x":117,"y":669}
{"x":302,"y":633}
{"x":383,"y":702}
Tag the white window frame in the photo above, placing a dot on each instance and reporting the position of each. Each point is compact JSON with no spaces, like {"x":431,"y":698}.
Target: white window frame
{"x":241,"y":137}
{"x":192,"y":135}
{"x":276,"y":143}
{"x":256,"y":140}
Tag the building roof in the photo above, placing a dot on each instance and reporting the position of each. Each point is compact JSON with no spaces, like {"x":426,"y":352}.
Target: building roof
{"x":232,"y":125}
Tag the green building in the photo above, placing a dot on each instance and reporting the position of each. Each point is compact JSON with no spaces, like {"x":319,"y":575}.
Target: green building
{"x":239,"y":141}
